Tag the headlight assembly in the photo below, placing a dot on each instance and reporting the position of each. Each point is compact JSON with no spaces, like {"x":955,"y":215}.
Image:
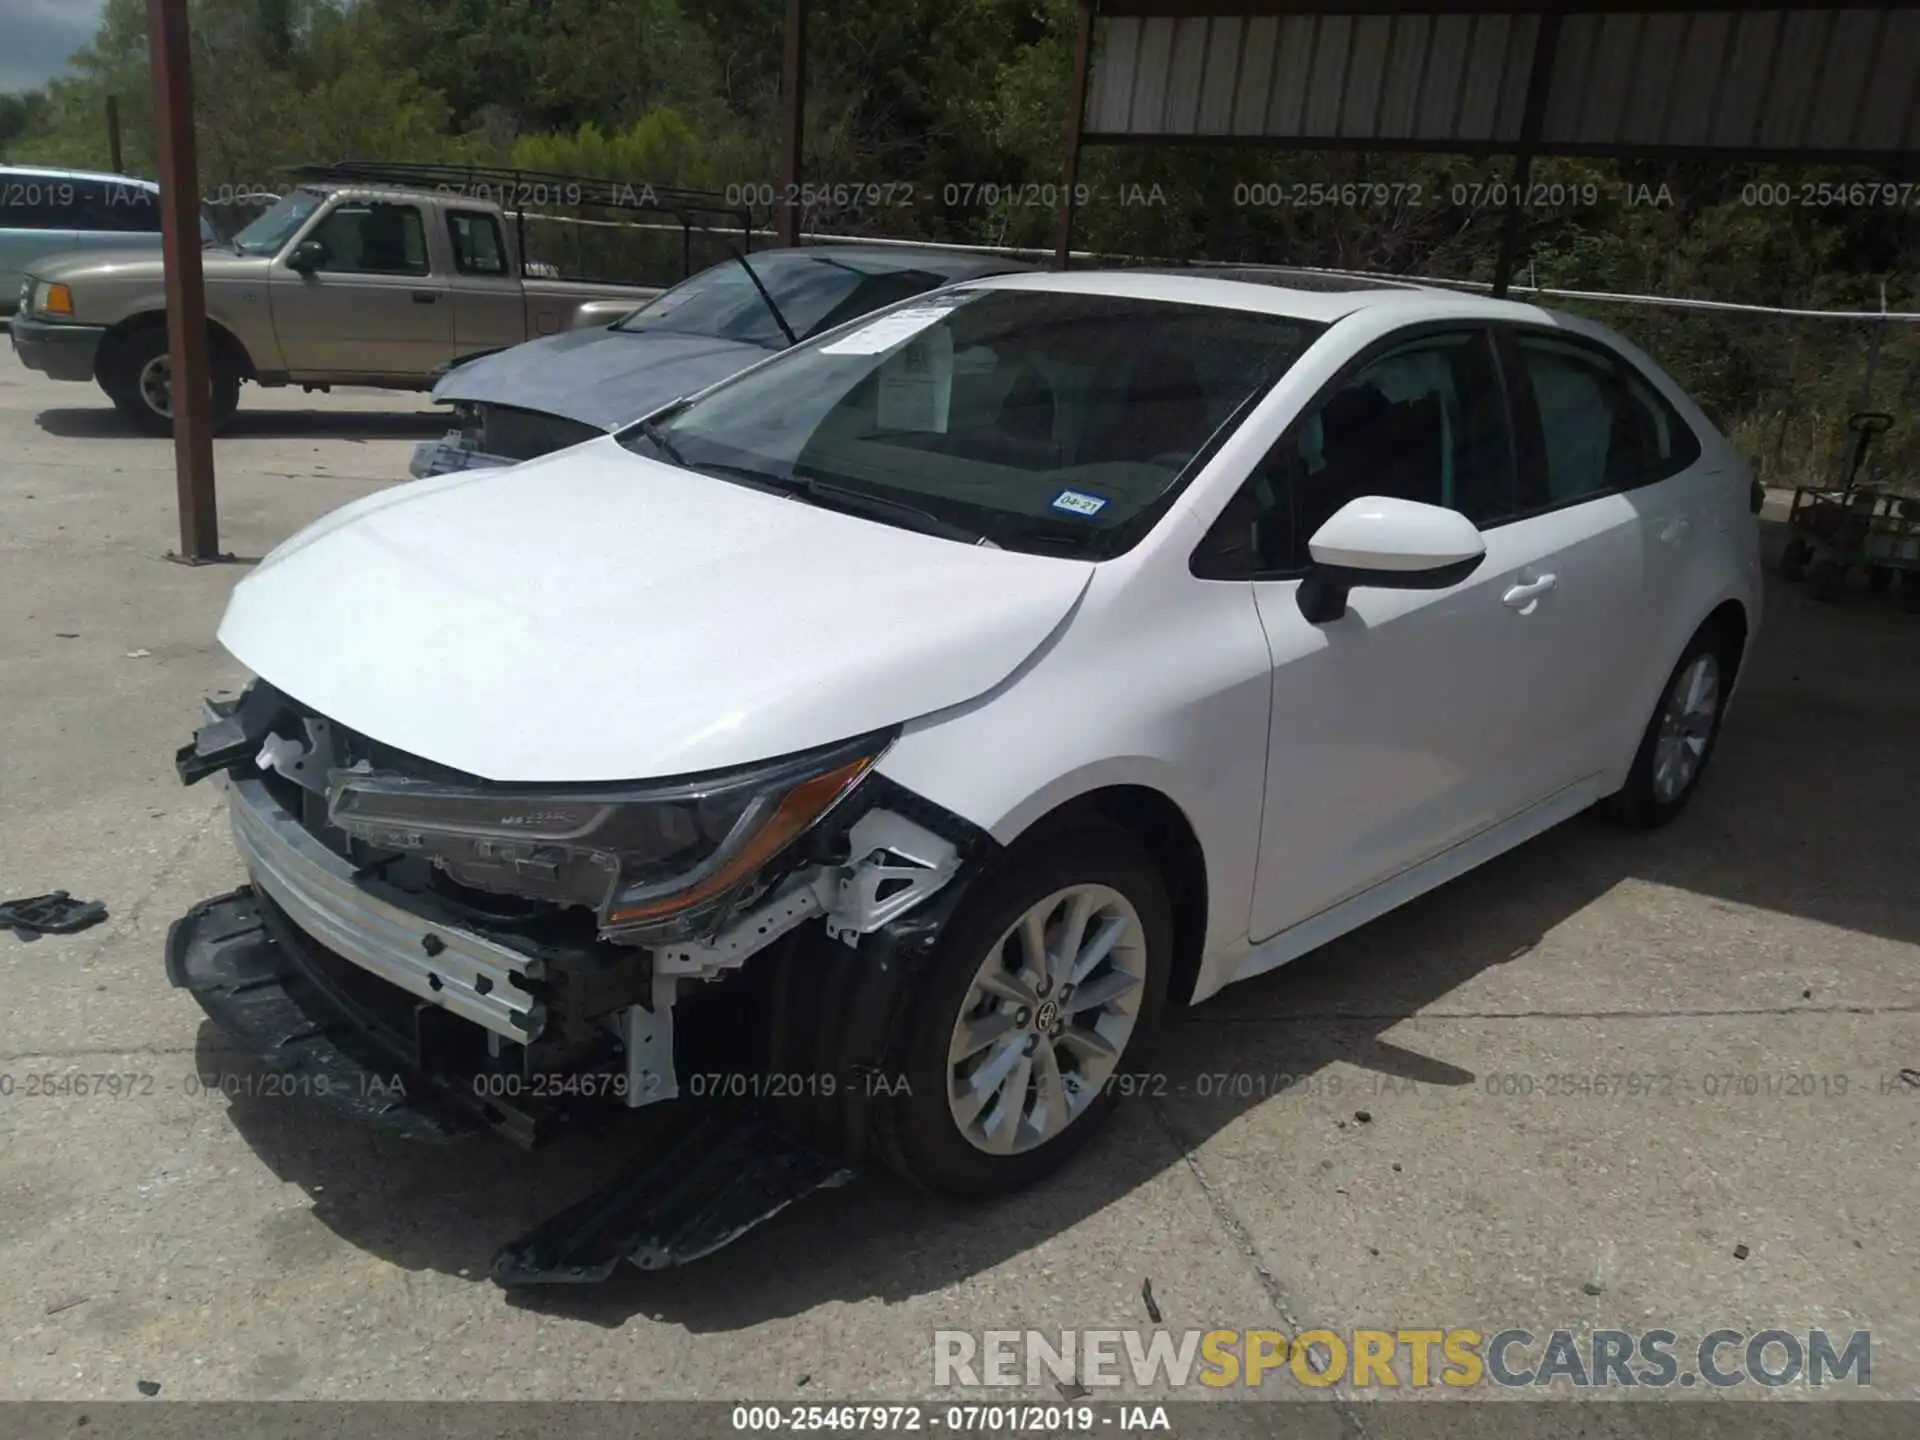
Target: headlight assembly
{"x":655,"y":862}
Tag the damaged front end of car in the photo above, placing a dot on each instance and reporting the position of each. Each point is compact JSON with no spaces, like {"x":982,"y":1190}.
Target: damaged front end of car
{"x":442,"y":953}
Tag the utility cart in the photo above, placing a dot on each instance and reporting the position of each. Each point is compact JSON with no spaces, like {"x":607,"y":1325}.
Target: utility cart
{"x":1855,"y":523}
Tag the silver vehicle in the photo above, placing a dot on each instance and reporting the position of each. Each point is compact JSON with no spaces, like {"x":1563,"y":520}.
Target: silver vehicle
{"x":44,"y":213}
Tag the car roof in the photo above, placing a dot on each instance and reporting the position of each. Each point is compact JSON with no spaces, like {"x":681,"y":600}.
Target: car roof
{"x":1271,"y":293}
{"x":52,"y":173}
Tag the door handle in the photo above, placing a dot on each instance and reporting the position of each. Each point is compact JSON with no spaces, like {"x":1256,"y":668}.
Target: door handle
{"x":425,"y":297}
{"x":1522,"y":597}
{"x":1677,"y":530}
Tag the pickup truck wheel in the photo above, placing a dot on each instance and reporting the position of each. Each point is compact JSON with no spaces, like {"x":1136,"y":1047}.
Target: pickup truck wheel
{"x":137,"y":374}
{"x":1045,"y":991}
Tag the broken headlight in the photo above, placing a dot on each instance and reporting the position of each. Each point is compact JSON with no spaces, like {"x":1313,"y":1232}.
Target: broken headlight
{"x":656,"y":862}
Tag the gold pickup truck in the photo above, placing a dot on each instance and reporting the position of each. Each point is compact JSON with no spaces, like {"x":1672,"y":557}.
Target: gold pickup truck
{"x":337,"y":284}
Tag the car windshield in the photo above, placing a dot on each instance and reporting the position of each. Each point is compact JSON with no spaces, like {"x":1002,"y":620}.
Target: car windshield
{"x":1033,"y":419}
{"x":270,"y":231}
{"x":811,"y":289}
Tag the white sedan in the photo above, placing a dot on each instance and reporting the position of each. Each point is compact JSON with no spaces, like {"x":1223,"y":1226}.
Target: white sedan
{"x":982,"y":676}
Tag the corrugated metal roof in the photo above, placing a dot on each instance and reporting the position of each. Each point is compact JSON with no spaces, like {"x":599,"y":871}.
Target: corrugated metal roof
{"x":1841,"y":82}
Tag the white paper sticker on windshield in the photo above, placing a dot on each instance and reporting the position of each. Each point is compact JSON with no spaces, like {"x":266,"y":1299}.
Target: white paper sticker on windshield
{"x":1077,"y":502}
{"x":916,"y":385}
{"x":888,"y":331}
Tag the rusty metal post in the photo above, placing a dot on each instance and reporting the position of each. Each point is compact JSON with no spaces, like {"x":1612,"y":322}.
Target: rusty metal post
{"x":1076,"y":122}
{"x":793,"y":111}
{"x":168,"y":44}
{"x":113,"y":135}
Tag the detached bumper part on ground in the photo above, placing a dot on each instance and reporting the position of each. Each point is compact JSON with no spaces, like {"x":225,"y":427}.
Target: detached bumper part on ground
{"x":395,"y":1000}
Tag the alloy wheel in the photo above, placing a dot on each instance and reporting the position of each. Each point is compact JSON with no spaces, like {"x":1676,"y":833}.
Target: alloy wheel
{"x":1046,"y":1019}
{"x":156,"y":385}
{"x":1686,"y":727}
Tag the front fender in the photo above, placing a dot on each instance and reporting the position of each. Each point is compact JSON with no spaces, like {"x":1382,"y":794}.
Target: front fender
{"x":1167,"y":687}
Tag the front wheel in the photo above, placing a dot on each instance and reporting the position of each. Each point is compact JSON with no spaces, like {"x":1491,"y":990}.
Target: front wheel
{"x":1041,"y":1000}
{"x":1680,"y":737}
{"x":137,"y":374}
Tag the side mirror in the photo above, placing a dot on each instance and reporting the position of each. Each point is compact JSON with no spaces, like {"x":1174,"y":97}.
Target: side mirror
{"x":1388,"y":544}
{"x":307,"y":257}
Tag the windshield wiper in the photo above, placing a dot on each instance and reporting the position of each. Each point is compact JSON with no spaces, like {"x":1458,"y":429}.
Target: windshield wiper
{"x":883,"y":507}
{"x":658,"y":439}
{"x":773,"y":309}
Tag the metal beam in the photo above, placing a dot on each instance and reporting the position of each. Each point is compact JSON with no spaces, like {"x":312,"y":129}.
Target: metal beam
{"x":1546,"y":45}
{"x":1193,"y":9}
{"x":793,"y":110}
{"x":1076,"y":118}
{"x":168,"y":46}
{"x":1903,"y":161}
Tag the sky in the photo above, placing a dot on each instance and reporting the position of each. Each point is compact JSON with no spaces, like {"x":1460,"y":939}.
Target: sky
{"x":37,"y":36}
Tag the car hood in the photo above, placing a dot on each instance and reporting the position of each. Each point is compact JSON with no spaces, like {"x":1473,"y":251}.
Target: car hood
{"x":141,"y":264}
{"x":601,"y":376}
{"x":593,"y":615}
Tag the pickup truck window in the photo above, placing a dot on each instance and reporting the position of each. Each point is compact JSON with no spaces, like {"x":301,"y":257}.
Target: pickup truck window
{"x":477,"y":245}
{"x":373,"y":237}
{"x":266,"y":233}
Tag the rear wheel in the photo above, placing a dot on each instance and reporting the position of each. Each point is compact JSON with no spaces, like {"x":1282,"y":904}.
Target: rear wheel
{"x":1794,"y":557}
{"x":1679,"y":739}
{"x":137,"y":374}
{"x":1828,"y":578}
{"x":1044,"y":994}
{"x":1878,"y":579}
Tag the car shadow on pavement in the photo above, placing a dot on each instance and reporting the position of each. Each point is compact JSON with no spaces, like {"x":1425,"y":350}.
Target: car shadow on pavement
{"x":1804,"y":813}
{"x":106,"y":423}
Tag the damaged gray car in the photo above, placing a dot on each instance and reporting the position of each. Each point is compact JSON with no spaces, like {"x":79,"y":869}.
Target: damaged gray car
{"x":521,"y":403}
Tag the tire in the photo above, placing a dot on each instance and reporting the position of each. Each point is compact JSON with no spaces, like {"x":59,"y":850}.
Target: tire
{"x":1879,"y":578}
{"x":1106,"y":868}
{"x":1910,"y":591}
{"x":1827,"y":578}
{"x":1793,"y":558}
{"x":132,"y":372}
{"x":1650,"y":798}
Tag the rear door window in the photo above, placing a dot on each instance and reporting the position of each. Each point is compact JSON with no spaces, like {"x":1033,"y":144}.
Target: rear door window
{"x":109,"y":207}
{"x":478,"y":247}
{"x":1598,"y":425}
{"x":36,"y":202}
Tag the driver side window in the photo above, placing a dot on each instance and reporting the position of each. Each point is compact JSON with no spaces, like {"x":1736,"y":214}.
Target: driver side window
{"x":1424,"y":421}
{"x":373,"y":238}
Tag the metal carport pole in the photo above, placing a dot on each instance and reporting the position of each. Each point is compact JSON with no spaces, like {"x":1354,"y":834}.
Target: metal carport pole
{"x":793,"y":111}
{"x":168,"y":45}
{"x":1546,"y":45}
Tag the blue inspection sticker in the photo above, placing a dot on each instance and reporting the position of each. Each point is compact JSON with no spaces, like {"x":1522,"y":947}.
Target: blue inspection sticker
{"x":1078,"y":502}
